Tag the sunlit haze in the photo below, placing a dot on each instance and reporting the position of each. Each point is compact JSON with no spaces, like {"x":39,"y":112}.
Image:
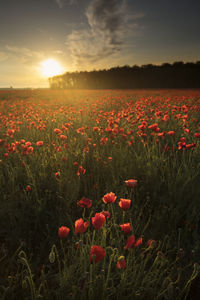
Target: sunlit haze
{"x":50,"y":67}
{"x":75,"y":35}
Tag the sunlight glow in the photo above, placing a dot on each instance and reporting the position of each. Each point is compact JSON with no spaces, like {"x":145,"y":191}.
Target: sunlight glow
{"x":50,"y":67}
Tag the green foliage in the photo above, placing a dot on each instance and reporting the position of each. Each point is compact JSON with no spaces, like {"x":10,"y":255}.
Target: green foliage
{"x":101,"y":148}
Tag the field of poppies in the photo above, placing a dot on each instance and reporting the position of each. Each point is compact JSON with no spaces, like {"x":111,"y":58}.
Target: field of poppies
{"x":99,"y":194}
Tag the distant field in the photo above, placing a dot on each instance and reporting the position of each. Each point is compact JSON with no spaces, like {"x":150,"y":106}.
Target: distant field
{"x":58,"y":147}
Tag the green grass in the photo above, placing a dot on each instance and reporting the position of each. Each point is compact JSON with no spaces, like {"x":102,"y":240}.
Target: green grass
{"x":34,"y":262}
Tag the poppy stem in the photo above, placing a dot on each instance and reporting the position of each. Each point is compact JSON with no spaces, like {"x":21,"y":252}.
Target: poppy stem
{"x":90,"y":288}
{"x":63,"y":250}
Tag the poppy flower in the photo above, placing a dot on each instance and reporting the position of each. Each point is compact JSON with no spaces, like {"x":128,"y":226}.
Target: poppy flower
{"x":130,"y":243}
{"x":57,"y":175}
{"x":109,"y":198}
{"x":131,"y":183}
{"x":106,"y":214}
{"x":81,"y":171}
{"x":121,"y":263}
{"x":126,"y":228}
{"x":28,"y":188}
{"x":39,"y":143}
{"x":57,"y":131}
{"x":197,"y":134}
{"x":63,"y":232}
{"x":97,"y":253}
{"x":171,"y":132}
{"x":85,"y":202}
{"x":98,"y":220}
{"x":138,"y":242}
{"x":125,"y":204}
{"x":81,"y":226}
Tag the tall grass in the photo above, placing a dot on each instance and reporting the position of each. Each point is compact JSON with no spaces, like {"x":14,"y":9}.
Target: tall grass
{"x":100,"y":145}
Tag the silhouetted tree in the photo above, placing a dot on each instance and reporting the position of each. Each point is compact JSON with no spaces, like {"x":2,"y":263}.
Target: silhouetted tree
{"x":176,"y":75}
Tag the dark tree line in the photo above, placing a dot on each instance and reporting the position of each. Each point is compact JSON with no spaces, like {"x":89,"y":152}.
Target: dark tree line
{"x":176,"y":75}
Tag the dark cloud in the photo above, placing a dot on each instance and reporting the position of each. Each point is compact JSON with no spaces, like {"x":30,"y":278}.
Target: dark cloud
{"x":107,"y":26}
{"x":62,"y":2}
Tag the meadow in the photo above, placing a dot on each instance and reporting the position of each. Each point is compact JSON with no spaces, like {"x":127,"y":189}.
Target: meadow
{"x":99,"y":194}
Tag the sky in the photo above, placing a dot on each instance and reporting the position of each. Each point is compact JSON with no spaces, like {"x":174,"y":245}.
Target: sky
{"x":93,"y":34}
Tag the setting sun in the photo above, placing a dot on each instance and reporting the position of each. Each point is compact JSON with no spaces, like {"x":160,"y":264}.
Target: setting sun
{"x":50,"y":67}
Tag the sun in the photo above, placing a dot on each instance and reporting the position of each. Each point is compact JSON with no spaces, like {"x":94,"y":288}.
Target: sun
{"x":50,"y":67}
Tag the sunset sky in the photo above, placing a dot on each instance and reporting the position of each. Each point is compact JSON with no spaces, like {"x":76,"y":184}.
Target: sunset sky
{"x":93,"y":34}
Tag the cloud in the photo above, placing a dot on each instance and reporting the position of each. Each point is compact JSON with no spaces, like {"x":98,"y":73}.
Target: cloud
{"x":3,"y":56}
{"x":61,"y":3}
{"x":23,"y":55}
{"x":108,"y":25}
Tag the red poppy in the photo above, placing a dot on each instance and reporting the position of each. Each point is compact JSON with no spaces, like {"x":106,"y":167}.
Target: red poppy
{"x":130,"y":243}
{"x":81,"y":171}
{"x":28,"y":188}
{"x":97,"y":253}
{"x":190,"y":146}
{"x":125,"y":204}
{"x":126,"y":228}
{"x":171,"y":133}
{"x":109,"y":198}
{"x":138,"y":242}
{"x":39,"y":143}
{"x":81,"y":226}
{"x":98,"y":220}
{"x":121,"y":263}
{"x":57,"y":131}
{"x":85,"y":202}
{"x":106,"y":214}
{"x":57,"y":174}
{"x":197,"y":134}
{"x":131,"y":183}
{"x":63,"y":232}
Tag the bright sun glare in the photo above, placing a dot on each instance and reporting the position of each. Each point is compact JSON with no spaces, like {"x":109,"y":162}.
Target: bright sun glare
{"x":50,"y":67}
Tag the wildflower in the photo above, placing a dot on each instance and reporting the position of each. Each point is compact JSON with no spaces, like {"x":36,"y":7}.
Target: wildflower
{"x":197,"y":134}
{"x":63,"y":137}
{"x":81,"y":226}
{"x":125,"y":204}
{"x":57,"y":175}
{"x":121,"y":263}
{"x":153,"y":127}
{"x":131,"y":183}
{"x":106,"y":214}
{"x":28,"y":188}
{"x":57,"y":131}
{"x":39,"y":143}
{"x":138,"y":242}
{"x":63,"y":232}
{"x":97,"y":253}
{"x":85,"y":202}
{"x":171,"y":132}
{"x":190,"y":146}
{"x":126,"y":228}
{"x":80,"y":171}
{"x":109,"y":198}
{"x":130,"y":243}
{"x":98,"y":220}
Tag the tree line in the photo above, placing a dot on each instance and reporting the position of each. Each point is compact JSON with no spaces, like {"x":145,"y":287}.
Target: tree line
{"x":175,"y":75}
